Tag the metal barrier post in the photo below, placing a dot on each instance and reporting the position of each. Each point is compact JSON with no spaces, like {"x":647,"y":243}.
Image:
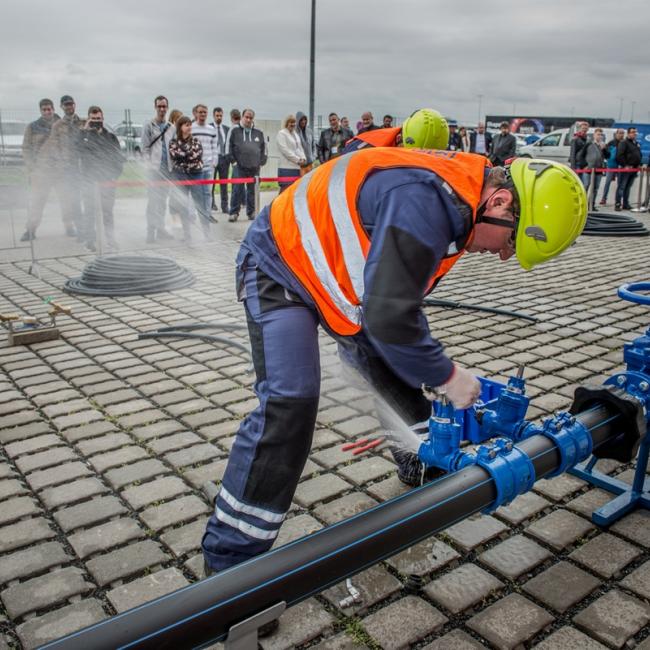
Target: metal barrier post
{"x":638,"y":196}
{"x":590,"y":195}
{"x":257,"y":195}
{"x":99,"y":221}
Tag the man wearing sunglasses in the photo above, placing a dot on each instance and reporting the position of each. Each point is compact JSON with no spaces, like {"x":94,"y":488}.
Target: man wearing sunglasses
{"x":354,"y":246}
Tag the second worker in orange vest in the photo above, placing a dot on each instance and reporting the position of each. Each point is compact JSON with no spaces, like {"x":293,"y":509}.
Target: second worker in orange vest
{"x":353,"y":247}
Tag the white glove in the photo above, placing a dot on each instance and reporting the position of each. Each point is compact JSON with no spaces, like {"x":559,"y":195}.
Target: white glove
{"x":462,"y":388}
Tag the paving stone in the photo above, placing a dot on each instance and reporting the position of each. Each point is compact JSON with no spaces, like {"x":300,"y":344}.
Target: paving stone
{"x":117,"y":458}
{"x":156,"y":430}
{"x":561,"y":586}
{"x":343,"y":508}
{"x":475,"y":531}
{"x":586,"y":503}
{"x":23,"y":533}
{"x":635,"y":527}
{"x":606,"y":555}
{"x":515,"y":556}
{"x":424,"y":557}
{"x":358,"y":426}
{"x":11,"y":488}
{"x":90,"y":430}
{"x":456,"y":640}
{"x":295,"y":528}
{"x":339,"y":642}
{"x":69,"y":493}
{"x":17,"y":508}
{"x":186,"y":538}
{"x":210,"y":472}
{"x":139,"y":496}
{"x":25,"y":433}
{"x":639,"y":581}
{"x":462,"y":588}
{"x":331,"y":457}
{"x":102,"y":537}
{"x":509,"y":622}
{"x":32,"y":444}
{"x":387,"y":489}
{"x":173,"y":512}
{"x":45,"y":478}
{"x":140,"y":471}
{"x":30,"y":561}
{"x":560,"y":529}
{"x":613,"y":618}
{"x":320,"y":488}
{"x":44,"y":591}
{"x":298,"y":625}
{"x":174,"y":442}
{"x":141,"y":418}
{"x":145,"y":589}
{"x":60,"y":622}
{"x":366,"y":470}
{"x":568,"y":638}
{"x":44,"y":459}
{"x":192,"y":455}
{"x":126,"y":561}
{"x":89,"y":513}
{"x":559,"y":487}
{"x":375,"y":584}
{"x":403,"y":622}
{"x":77,"y":419}
{"x":524,"y":507}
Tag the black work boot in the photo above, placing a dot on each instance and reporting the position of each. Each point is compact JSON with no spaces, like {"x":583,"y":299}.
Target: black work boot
{"x":262,"y":632}
{"x":410,"y":468}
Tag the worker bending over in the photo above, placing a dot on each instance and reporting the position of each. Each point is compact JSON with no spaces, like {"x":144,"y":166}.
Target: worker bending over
{"x":354,"y":246}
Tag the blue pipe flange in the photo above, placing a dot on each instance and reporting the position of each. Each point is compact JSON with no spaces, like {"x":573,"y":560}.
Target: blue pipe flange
{"x":572,"y":439}
{"x":512,"y":470}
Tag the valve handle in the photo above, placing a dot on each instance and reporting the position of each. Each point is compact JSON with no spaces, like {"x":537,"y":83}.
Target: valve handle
{"x":632,"y":292}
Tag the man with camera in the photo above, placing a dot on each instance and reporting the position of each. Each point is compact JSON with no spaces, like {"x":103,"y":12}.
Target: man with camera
{"x":101,"y":161}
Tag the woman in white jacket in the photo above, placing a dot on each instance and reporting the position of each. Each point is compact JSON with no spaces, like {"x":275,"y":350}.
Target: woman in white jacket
{"x":292,"y":155}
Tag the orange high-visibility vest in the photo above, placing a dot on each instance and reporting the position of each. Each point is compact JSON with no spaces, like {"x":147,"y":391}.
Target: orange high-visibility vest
{"x":320,"y":236}
{"x":379,"y":137}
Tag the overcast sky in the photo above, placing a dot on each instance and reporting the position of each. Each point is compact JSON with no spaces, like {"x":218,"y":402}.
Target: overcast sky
{"x":551,"y":57}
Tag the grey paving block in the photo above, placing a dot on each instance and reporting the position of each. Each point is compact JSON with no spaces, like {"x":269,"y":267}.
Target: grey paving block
{"x":568,"y":638}
{"x":635,"y":527}
{"x":32,"y":445}
{"x":456,"y":640}
{"x":511,"y":621}
{"x":72,"y":492}
{"x":369,"y":469}
{"x":340,"y":642}
{"x":346,"y":506}
{"x":117,"y":458}
{"x":139,"y":496}
{"x":403,"y":622}
{"x":145,"y":589}
{"x":193,"y":455}
{"x":25,"y":563}
{"x":475,"y":531}
{"x":174,"y":442}
{"x":44,"y":591}
{"x":105,"y":536}
{"x":639,"y":581}
{"x":606,"y":555}
{"x":375,"y":584}
{"x":462,"y":588}
{"x":560,"y":529}
{"x":11,"y":488}
{"x":126,"y":561}
{"x":561,"y":586}
{"x":515,"y":556}
{"x":586,"y":503}
{"x":23,"y":533}
{"x":17,"y":508}
{"x":140,"y":471}
{"x":320,"y":488}
{"x":186,"y":538}
{"x":424,"y":557}
{"x":209,"y":472}
{"x":613,"y":618}
{"x":60,"y":622}
{"x":89,"y":513}
{"x":560,"y":487}
{"x":298,"y":625}
{"x":173,"y":512}
{"x":65,"y":473}
{"x":44,"y":459}
{"x":295,"y":528}
{"x":524,"y":507}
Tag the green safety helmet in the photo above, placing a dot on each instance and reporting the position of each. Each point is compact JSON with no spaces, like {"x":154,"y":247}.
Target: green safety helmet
{"x":552,"y":209}
{"x":425,"y":129}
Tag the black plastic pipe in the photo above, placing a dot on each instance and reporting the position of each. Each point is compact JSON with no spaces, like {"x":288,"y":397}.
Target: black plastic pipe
{"x":453,"y":304}
{"x":203,"y":612}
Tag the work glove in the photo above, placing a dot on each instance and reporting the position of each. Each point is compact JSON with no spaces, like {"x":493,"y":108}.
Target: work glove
{"x":462,"y":388}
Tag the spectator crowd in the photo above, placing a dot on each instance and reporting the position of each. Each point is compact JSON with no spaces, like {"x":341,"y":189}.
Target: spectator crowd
{"x":77,"y":158}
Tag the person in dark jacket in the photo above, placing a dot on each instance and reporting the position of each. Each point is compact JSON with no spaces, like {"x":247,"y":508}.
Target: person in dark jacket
{"x":307,"y":139}
{"x":504,"y":145}
{"x":368,"y":123}
{"x":480,"y":141}
{"x":611,"y":150}
{"x":579,"y":142}
{"x":101,"y":160}
{"x":593,"y":155}
{"x":247,"y":150}
{"x":454,"y":143}
{"x":628,"y":154}
{"x":332,"y":140}
{"x":222,"y":170}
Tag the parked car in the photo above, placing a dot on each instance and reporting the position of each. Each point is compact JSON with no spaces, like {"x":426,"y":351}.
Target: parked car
{"x":130,"y":138}
{"x":11,"y":141}
{"x":556,"y":145}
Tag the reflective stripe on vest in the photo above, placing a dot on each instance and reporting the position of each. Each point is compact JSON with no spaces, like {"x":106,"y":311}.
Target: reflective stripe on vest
{"x":379,"y":137}
{"x":320,"y":235}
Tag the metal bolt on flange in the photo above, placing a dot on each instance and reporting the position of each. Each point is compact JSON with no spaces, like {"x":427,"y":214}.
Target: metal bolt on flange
{"x":621,"y":380}
{"x":644,"y":386}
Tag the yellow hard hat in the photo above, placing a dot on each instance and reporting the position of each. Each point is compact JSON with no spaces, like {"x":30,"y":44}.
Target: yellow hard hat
{"x":553,"y":209}
{"x":425,"y":129}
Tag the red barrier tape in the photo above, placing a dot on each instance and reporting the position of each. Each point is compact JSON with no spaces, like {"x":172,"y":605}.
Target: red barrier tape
{"x":614,"y":170}
{"x":202,"y":181}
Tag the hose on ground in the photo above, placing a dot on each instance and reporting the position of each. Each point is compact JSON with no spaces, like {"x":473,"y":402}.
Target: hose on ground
{"x":129,"y":275}
{"x":452,"y":304}
{"x":188,"y":335}
{"x":606,"y":224}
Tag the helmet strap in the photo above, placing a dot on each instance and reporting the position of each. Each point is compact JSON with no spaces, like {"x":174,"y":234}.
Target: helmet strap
{"x":495,"y":221}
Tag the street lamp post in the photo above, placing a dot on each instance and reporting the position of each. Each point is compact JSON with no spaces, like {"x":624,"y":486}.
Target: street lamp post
{"x":480,"y":101}
{"x":312,"y":61}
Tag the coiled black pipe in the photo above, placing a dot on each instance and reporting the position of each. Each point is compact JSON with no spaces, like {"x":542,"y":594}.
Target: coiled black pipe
{"x":606,"y":224}
{"x":205,"y":611}
{"x":129,"y":275}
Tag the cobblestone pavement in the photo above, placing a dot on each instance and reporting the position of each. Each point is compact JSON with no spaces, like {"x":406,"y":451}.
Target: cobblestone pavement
{"x":106,"y":442}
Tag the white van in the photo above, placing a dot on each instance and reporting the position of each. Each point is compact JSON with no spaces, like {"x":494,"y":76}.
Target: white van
{"x":556,"y":145}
